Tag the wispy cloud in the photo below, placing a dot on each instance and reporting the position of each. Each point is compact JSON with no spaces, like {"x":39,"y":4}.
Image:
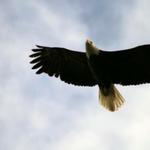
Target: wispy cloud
{"x":40,"y":113}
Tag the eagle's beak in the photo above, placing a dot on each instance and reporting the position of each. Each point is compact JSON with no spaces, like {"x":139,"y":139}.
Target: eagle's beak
{"x":88,"y":41}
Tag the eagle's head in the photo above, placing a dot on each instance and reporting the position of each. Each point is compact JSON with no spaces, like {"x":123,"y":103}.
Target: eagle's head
{"x":90,"y":48}
{"x":89,"y":42}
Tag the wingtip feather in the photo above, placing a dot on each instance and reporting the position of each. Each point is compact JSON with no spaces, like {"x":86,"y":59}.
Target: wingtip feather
{"x":37,"y":65}
{"x":39,"y":71}
{"x":39,"y":46}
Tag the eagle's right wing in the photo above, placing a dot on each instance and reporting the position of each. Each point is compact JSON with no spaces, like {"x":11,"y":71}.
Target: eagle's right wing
{"x":130,"y":66}
{"x":71,"y":66}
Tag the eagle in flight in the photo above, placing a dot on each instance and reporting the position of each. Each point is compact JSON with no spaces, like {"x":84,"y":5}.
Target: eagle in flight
{"x":96,"y":67}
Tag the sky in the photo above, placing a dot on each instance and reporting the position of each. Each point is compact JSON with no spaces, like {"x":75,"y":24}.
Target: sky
{"x":43,"y":113}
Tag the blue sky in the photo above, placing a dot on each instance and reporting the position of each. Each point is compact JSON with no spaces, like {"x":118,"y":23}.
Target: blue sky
{"x":42,"y":113}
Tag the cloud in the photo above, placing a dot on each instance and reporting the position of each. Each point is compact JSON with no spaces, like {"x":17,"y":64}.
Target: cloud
{"x":137,"y":24}
{"x":38,"y":112}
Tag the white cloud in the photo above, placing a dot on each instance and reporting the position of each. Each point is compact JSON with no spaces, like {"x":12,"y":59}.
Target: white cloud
{"x":136,"y":25}
{"x":43,"y":113}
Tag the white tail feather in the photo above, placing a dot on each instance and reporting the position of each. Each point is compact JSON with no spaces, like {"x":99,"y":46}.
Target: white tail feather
{"x":110,"y":98}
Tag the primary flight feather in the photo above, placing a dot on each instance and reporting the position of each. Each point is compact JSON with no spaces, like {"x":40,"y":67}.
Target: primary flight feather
{"x":96,"y":67}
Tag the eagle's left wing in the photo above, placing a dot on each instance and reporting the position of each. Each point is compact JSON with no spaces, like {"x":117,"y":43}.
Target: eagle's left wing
{"x":71,"y":66}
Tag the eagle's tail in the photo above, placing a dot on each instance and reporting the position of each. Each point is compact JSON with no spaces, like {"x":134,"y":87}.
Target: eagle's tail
{"x":110,"y":98}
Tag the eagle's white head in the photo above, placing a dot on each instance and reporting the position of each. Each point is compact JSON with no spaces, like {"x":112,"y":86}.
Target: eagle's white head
{"x":90,"y":48}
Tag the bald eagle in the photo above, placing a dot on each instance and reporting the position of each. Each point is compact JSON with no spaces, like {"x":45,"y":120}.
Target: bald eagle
{"x":96,"y":67}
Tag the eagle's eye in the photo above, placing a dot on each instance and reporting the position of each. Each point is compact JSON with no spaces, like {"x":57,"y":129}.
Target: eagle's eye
{"x":90,"y":42}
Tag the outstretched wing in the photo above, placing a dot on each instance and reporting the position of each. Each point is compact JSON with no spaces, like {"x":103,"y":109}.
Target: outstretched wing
{"x":70,"y":66}
{"x":131,"y":66}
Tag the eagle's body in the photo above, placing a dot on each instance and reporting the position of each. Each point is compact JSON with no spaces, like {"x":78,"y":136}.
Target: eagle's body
{"x":96,"y":67}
